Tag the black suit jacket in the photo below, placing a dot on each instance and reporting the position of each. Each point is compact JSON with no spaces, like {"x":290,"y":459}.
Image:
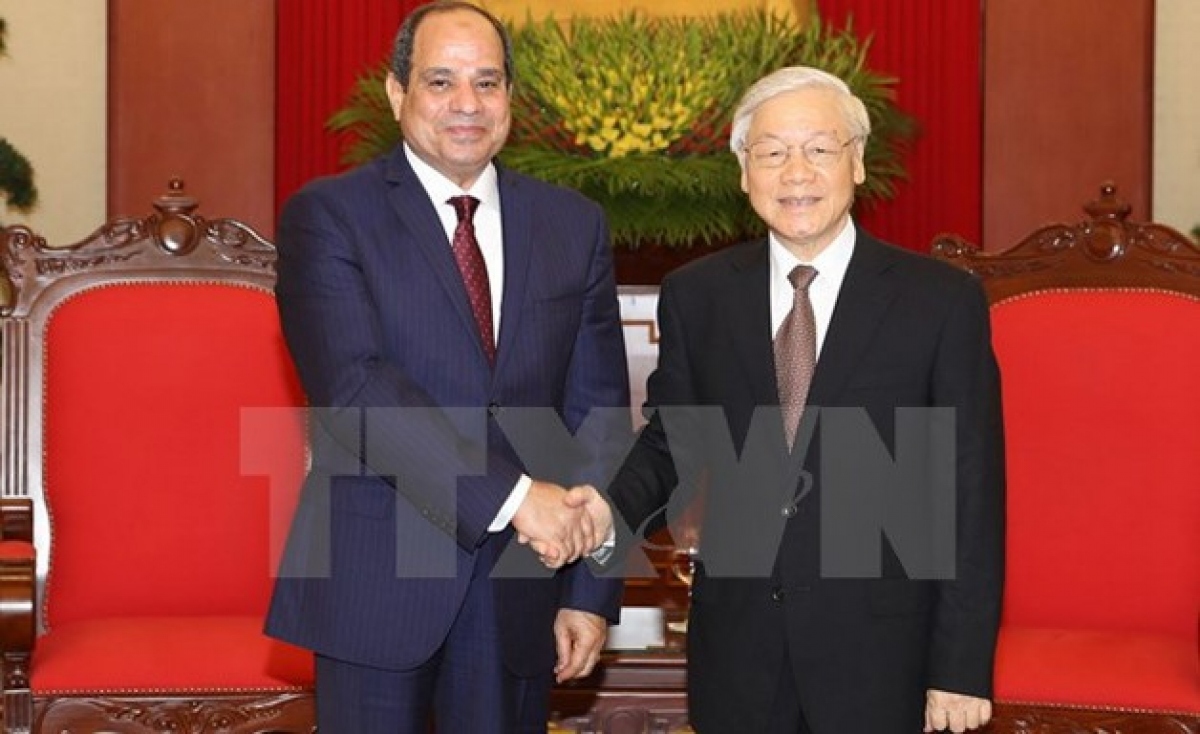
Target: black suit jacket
{"x":906,"y":332}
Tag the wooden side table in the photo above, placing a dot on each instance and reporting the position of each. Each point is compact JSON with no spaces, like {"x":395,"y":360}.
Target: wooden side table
{"x":629,"y":693}
{"x":635,"y":691}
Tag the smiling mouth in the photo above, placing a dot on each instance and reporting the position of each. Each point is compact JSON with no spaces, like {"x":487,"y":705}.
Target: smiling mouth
{"x":799,"y":201}
{"x":465,"y":130}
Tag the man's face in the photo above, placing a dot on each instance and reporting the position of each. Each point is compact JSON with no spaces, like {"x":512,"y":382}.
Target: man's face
{"x":455,"y":114}
{"x":804,"y":203}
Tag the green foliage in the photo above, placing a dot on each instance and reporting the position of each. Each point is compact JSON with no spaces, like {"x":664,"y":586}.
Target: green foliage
{"x":16,"y":178}
{"x":634,"y":112}
{"x":16,"y":175}
{"x":367,"y":117}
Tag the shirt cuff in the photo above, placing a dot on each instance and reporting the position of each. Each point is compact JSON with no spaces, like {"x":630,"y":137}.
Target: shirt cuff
{"x":509,"y":508}
{"x":604,"y":553}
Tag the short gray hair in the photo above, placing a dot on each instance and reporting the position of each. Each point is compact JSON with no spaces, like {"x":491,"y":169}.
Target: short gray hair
{"x":790,"y":79}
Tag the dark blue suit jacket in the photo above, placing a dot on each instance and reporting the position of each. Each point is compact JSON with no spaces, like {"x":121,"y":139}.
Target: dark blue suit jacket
{"x":410,"y":464}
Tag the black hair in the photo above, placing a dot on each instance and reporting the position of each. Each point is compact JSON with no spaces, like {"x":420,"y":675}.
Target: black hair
{"x":402,"y":48}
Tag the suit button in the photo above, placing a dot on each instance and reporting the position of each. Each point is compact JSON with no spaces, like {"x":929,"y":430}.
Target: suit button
{"x":788,"y":511}
{"x":777,"y":594}
{"x":493,"y":409}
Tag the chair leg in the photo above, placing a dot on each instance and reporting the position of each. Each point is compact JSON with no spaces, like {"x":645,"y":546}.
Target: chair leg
{"x":18,"y":704}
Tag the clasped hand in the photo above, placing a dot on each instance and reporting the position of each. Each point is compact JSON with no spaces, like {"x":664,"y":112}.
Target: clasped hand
{"x":562,"y":525}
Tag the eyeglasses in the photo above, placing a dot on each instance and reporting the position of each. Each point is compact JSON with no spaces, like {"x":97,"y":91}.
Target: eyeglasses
{"x":821,"y":154}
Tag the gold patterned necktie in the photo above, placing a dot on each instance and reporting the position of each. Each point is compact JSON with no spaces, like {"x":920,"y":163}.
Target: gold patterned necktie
{"x":796,"y":352}
{"x":474,"y":272}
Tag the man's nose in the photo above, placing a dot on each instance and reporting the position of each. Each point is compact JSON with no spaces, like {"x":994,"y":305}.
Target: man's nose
{"x":797,"y":167}
{"x":465,"y":98}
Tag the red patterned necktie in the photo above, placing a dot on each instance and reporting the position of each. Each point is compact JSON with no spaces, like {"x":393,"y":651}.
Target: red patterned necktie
{"x":796,"y":352}
{"x":474,"y":273}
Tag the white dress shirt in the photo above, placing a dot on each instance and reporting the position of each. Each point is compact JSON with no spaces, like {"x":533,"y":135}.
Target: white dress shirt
{"x":489,"y":232}
{"x":830,"y":264}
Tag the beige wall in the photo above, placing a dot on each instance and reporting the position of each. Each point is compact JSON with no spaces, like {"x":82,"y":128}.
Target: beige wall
{"x":1177,"y":115}
{"x":52,"y":109}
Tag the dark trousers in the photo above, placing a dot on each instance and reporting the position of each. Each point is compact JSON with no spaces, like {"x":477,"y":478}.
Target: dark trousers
{"x":786,"y":715}
{"x":464,"y":687}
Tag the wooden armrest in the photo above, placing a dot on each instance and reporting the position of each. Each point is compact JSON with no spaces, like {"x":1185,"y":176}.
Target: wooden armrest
{"x":16,"y":519}
{"x":18,"y":627}
{"x":18,"y":576}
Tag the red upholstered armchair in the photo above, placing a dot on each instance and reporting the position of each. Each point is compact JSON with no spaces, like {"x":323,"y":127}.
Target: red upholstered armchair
{"x":151,"y":459}
{"x":1097,"y":330}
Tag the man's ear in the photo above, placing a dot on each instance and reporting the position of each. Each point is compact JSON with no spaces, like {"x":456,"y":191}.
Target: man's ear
{"x":860,"y":171}
{"x":395,"y":94}
{"x":860,"y":166}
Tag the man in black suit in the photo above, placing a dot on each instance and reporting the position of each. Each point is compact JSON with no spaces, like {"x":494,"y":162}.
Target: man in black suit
{"x":430,"y":298}
{"x":790,"y":631}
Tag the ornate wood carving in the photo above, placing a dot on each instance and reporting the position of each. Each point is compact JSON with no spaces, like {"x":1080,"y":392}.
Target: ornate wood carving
{"x":16,"y":519}
{"x":1104,"y":250}
{"x":152,"y":243}
{"x":1107,"y":251}
{"x":629,"y":693}
{"x":290,"y":713}
{"x":1013,"y":718}
{"x":173,"y":243}
{"x":18,"y":578}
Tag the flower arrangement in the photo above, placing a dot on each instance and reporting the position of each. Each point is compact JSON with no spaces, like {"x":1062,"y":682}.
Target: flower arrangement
{"x":635,"y":112}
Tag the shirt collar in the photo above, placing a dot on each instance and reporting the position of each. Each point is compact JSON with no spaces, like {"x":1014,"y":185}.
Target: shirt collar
{"x":486,"y":187}
{"x":830,"y":263}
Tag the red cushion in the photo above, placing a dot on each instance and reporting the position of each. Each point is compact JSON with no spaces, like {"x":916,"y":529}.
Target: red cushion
{"x":1087,"y":668}
{"x":1102,"y":415}
{"x":146,"y":385}
{"x":167,"y":654}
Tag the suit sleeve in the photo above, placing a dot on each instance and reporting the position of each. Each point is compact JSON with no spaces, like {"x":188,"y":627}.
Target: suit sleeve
{"x":646,"y":480}
{"x":442,"y":462}
{"x":596,"y":407}
{"x":967,"y":612}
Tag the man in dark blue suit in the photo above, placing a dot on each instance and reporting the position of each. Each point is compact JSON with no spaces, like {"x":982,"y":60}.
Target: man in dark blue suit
{"x":418,"y":366}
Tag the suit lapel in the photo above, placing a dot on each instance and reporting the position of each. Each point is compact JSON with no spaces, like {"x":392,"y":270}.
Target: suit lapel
{"x":518,"y":248}
{"x":750,"y":322}
{"x":424,"y":229}
{"x":862,"y":302}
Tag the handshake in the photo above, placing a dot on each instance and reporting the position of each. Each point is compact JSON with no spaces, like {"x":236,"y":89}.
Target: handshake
{"x":562,"y":525}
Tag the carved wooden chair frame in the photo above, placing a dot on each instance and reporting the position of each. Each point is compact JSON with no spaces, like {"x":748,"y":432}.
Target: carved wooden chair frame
{"x":1104,"y":251}
{"x":171,"y":244}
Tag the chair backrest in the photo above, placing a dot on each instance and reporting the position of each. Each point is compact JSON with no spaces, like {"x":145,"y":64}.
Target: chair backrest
{"x":131,"y":361}
{"x":1097,"y":329}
